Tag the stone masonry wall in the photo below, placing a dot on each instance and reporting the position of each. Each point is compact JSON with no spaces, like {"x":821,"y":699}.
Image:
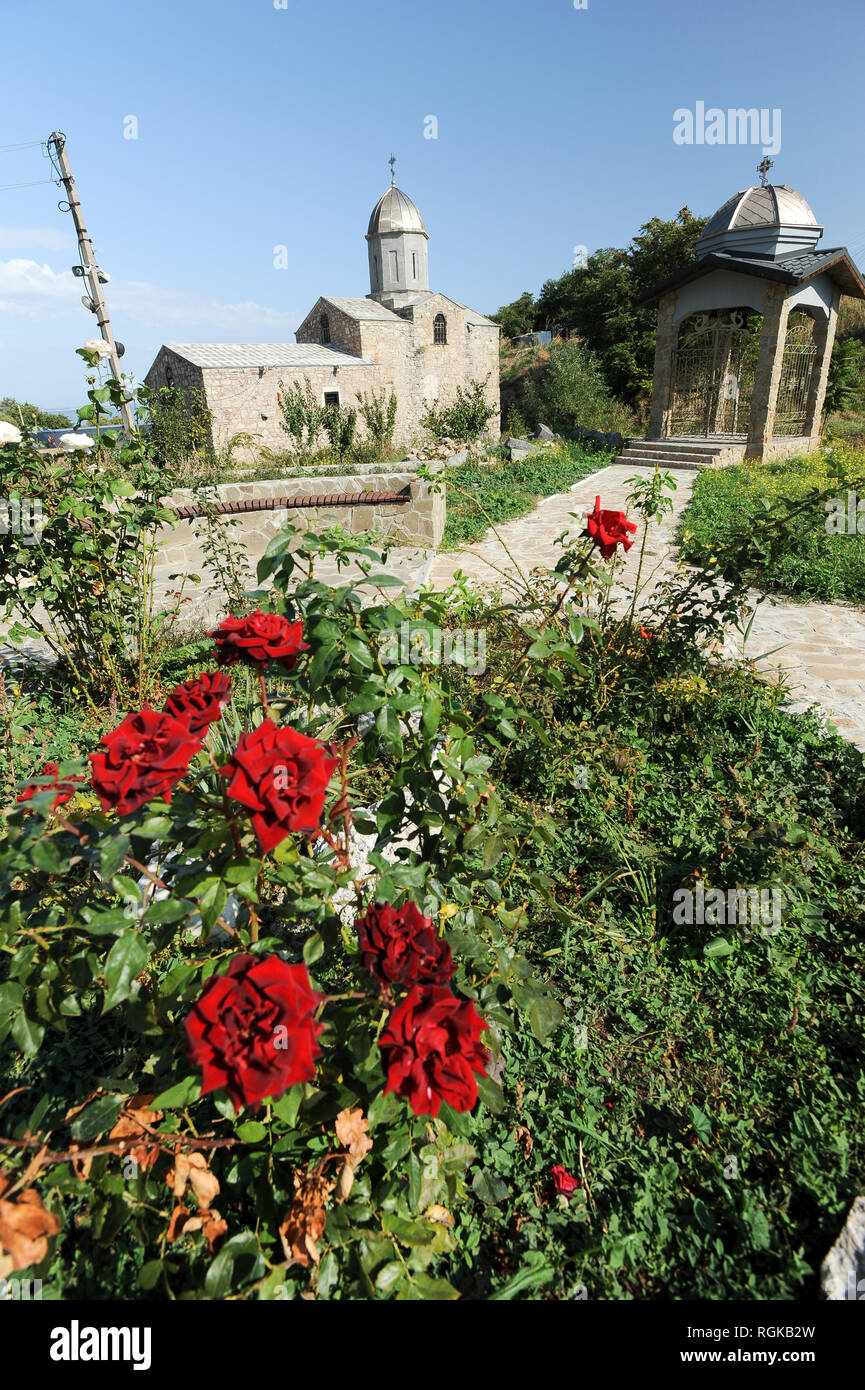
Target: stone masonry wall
{"x":418,"y":522}
{"x":243,"y":399}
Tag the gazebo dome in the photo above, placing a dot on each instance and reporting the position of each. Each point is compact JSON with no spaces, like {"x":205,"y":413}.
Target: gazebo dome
{"x":769,"y":220}
{"x":395,"y":212}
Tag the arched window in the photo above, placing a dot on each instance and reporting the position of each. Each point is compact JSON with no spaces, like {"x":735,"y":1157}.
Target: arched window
{"x":440,"y":329}
{"x":324,"y":326}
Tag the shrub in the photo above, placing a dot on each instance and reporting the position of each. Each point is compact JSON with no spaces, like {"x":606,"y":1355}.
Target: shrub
{"x":378,"y":412}
{"x":466,"y":418}
{"x":571,"y":390}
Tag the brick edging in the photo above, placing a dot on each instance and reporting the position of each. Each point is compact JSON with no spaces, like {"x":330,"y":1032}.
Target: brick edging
{"x":271,"y":504}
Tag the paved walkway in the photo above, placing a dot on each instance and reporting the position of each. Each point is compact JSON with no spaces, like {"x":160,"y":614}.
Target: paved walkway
{"x":819,"y":646}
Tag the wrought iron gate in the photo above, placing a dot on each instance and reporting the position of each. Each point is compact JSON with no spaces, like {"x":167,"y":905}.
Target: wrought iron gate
{"x":797,"y":370}
{"x":713,"y":375}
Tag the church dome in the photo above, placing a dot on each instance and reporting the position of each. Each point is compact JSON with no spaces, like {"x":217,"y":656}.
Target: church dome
{"x":772,"y":220}
{"x":395,"y":212}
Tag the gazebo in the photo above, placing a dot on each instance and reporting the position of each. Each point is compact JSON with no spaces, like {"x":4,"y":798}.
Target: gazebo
{"x":745,"y":333}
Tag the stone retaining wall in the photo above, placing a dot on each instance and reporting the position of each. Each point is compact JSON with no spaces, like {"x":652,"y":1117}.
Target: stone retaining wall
{"x":414,"y":515}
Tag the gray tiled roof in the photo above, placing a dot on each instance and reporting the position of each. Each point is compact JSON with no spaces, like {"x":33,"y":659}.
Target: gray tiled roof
{"x":358,"y":308}
{"x":266,"y":355}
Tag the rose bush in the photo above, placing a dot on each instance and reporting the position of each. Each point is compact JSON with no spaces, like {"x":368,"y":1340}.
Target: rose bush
{"x":269,"y":980}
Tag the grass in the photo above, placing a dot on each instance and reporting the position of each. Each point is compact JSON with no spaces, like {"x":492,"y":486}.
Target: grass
{"x":706,"y":1084}
{"x":814,"y":564}
{"x":480,"y":496}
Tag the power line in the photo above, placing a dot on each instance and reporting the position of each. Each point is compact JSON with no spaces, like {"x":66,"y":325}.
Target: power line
{"x":4,"y":187}
{"x":22,"y":145}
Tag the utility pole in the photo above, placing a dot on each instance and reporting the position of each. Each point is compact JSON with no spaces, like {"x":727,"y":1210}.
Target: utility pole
{"x":88,"y":268}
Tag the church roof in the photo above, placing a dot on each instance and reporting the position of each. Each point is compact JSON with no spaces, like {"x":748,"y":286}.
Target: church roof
{"x":772,"y":205}
{"x":395,"y":212}
{"x":266,"y":355}
{"x":793,"y":269}
{"x":357,"y":308}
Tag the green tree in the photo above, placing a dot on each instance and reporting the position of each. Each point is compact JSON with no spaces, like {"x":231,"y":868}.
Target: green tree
{"x":518,"y":317}
{"x":598,"y":301}
{"x":33,"y":417}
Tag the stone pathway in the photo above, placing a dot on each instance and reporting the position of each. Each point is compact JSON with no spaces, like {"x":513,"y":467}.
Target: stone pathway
{"x":819,"y":646}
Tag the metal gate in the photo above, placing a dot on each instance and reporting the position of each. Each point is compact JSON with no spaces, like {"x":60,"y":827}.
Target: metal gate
{"x":713,"y":375}
{"x":797,"y":370}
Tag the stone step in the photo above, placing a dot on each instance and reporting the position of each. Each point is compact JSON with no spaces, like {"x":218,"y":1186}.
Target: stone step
{"x":674,"y":446}
{"x":702,"y":455}
{"x":664,"y":460}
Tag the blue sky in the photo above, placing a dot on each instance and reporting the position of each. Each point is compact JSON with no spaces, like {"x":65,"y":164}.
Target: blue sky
{"x":261,"y":127}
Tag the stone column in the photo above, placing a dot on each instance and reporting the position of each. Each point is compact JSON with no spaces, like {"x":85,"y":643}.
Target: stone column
{"x":767,"y":378}
{"x":824,"y":340}
{"x":665,"y":346}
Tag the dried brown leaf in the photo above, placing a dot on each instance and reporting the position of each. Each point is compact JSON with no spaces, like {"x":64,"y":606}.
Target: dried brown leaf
{"x":352,"y":1132}
{"x":192,"y":1168}
{"x":304,"y":1224}
{"x":25,"y":1226}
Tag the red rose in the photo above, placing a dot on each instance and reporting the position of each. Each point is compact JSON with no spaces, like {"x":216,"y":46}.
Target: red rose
{"x":608,"y":529}
{"x":431,"y":1050}
{"x":252,"y":1032}
{"x":400,"y":946}
{"x":147,"y":754}
{"x":259,"y":638}
{"x":65,"y":789}
{"x":198,"y":703}
{"x":281,"y":777}
{"x":563,"y":1180}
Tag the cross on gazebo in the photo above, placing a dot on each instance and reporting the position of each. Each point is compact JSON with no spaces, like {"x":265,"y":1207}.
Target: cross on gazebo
{"x":763,"y":168}
{"x":392,"y":162}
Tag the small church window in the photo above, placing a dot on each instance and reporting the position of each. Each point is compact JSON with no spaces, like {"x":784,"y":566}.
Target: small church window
{"x":440,"y":329}
{"x":394,"y":266}
{"x":414,"y":265}
{"x":169,"y":376}
{"x":331,"y":398}
{"x":324,"y":324}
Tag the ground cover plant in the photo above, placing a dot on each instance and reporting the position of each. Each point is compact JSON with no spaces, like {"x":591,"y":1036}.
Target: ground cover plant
{"x":482,"y":495}
{"x":817,"y":563}
{"x":486,"y":1056}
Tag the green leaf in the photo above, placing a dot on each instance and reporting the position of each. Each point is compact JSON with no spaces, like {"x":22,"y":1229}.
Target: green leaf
{"x":44,"y":855}
{"x":28,"y":1033}
{"x":96,"y":1118}
{"x":11,"y":995}
{"x":313,"y":949}
{"x":217,"y":1280}
{"x":387,"y":725}
{"x":491,"y":1094}
{"x":533,"y":1275}
{"x":428,"y":1288}
{"x":178,"y":1096}
{"x":287,"y":1107}
{"x":408,"y":1232}
{"x":251,"y":1132}
{"x":112,"y":855}
{"x":148,"y":1276}
{"x":489,"y":1188}
{"x":389,"y":1276}
{"x":126,"y":959}
{"x":211,"y":902}
{"x":702,"y":1124}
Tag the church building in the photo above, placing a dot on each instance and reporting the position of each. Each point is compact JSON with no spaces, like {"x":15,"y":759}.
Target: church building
{"x":402,"y":336}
